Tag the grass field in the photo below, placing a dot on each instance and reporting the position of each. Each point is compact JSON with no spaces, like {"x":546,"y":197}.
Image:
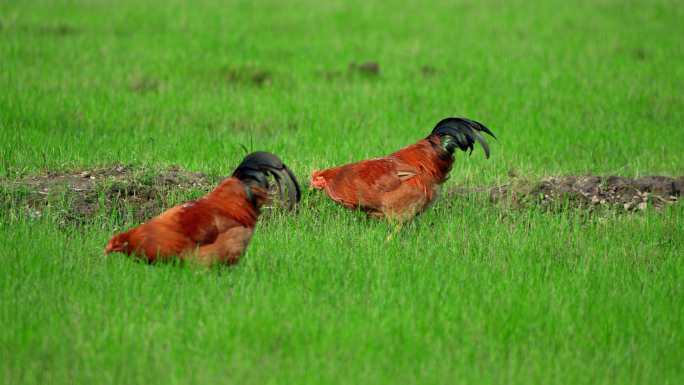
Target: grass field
{"x":470,"y":292}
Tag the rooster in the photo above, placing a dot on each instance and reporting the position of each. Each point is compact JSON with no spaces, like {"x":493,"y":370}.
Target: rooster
{"x":216,"y":227}
{"x":405,"y":183}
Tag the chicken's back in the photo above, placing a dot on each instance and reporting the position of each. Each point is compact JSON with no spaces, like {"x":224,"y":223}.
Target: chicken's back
{"x":185,"y":228}
{"x":398,"y":185}
{"x":431,"y":162}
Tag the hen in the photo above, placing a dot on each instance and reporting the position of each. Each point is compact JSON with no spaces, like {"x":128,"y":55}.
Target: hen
{"x":403,"y":184}
{"x":216,"y":227}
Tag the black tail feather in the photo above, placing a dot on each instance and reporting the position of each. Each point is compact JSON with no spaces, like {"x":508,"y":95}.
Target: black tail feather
{"x":255,"y":167}
{"x":463,"y":133}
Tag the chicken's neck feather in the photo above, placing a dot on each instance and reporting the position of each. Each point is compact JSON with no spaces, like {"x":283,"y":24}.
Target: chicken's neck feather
{"x":428,"y":155}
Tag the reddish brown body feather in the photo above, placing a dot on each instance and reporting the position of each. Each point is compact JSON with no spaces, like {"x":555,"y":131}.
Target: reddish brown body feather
{"x":214,"y":228}
{"x":398,"y":186}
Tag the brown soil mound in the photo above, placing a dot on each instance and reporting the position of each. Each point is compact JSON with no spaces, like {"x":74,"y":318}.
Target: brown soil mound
{"x":124,"y":191}
{"x":591,"y":191}
{"x":133,"y":194}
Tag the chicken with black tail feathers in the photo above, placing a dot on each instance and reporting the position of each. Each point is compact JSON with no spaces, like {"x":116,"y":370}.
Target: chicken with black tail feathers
{"x":403,"y":184}
{"x":217,"y":227}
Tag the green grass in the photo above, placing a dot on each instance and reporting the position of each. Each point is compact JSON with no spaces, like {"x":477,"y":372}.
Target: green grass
{"x":468,"y":293}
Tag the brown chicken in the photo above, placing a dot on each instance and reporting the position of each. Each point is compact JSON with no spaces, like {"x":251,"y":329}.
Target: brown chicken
{"x":216,"y":227}
{"x":403,"y":184}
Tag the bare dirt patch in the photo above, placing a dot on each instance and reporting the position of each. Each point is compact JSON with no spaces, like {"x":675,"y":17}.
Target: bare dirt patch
{"x":135,"y":194}
{"x":56,"y":29}
{"x":248,"y":75}
{"x":428,"y":71}
{"x":587,"y":191}
{"x":77,"y":197}
{"x":369,"y":68}
{"x":142,"y":84}
{"x":365,"y":70}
